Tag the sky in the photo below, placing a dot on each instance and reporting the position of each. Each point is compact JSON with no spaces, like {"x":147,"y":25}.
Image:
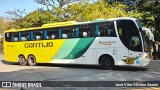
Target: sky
{"x":28,"y":5}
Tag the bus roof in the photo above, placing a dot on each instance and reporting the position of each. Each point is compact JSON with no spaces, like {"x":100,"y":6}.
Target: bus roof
{"x":122,"y":18}
{"x":51,"y":25}
{"x":69,"y":23}
{"x":94,"y":21}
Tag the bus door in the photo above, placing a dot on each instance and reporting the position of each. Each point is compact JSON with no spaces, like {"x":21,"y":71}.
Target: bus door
{"x":122,"y":50}
{"x":122,"y":54}
{"x":134,"y":43}
{"x":135,"y":48}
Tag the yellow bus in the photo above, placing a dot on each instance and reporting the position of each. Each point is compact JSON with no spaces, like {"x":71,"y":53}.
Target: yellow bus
{"x":104,"y":42}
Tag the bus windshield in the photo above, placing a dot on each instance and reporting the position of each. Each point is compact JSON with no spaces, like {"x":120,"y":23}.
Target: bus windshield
{"x":149,"y":37}
{"x":145,"y":42}
{"x":144,"y":36}
{"x":139,"y":23}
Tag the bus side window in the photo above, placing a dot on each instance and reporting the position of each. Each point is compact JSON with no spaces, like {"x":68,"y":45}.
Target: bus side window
{"x":86,"y":31}
{"x":25,"y":36}
{"x":15,"y":36}
{"x":68,"y":32}
{"x":106,"y":29}
{"x":8,"y":37}
{"x":38,"y":35}
{"x":52,"y":34}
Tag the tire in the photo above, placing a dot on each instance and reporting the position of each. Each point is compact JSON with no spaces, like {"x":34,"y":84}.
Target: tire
{"x":31,"y":60}
{"x":22,"y":61}
{"x":107,"y":63}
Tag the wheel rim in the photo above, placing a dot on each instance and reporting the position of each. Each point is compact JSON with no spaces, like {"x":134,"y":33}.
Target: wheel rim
{"x":32,"y":59}
{"x":108,"y":63}
{"x":21,"y":60}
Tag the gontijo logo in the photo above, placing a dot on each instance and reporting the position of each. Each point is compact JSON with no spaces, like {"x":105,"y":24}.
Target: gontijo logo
{"x":38,"y":45}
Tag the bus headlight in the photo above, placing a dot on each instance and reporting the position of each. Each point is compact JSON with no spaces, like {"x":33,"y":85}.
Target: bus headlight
{"x":149,"y":55}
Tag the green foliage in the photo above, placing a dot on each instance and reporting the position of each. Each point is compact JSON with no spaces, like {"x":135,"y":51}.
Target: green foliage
{"x":5,"y":25}
{"x":84,"y":11}
{"x":151,"y":15}
{"x":37,"y":18}
{"x":56,"y":7}
{"x":147,"y":8}
{"x":69,"y":11}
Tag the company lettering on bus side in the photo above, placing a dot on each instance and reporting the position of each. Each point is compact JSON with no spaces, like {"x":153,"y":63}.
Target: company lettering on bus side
{"x":38,"y":45}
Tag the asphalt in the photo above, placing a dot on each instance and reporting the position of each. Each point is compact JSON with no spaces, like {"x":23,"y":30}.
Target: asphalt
{"x":59,"y":72}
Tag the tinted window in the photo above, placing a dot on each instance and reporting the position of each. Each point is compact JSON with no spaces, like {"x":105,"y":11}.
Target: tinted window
{"x":134,"y":41}
{"x":52,"y":34}
{"x":68,"y":32}
{"x":129,"y":34}
{"x":87,"y":31}
{"x":38,"y":35}
{"x":8,"y":37}
{"x":15,"y":36}
{"x":122,"y":31}
{"x":24,"y":36}
{"x":131,"y":26}
{"x":106,"y":29}
{"x":139,"y":23}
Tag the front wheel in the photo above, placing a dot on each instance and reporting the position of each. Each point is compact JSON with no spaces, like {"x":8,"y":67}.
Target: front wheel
{"x":22,"y":61}
{"x":31,"y":60}
{"x":107,"y":63}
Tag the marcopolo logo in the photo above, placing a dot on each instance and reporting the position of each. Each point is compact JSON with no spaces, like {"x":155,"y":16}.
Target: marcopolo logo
{"x":106,"y":42}
{"x":38,"y":45}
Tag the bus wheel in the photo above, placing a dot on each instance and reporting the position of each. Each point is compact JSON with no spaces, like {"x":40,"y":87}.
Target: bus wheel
{"x":31,"y":60}
{"x":107,"y":62}
{"x":22,"y":61}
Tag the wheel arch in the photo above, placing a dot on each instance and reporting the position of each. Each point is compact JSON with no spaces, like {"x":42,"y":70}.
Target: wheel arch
{"x":32,"y":61}
{"x":22,"y":55}
{"x":31,"y":55}
{"x":108,"y":55}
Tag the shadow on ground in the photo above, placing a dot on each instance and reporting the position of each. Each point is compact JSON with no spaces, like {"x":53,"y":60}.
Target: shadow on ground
{"x":8,"y":63}
{"x":117,"y":68}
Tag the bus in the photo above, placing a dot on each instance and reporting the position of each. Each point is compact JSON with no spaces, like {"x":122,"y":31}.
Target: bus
{"x":105,"y":42}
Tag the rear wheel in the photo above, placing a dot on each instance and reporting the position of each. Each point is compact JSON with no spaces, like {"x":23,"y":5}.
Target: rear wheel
{"x":31,"y":60}
{"x":107,"y":63}
{"x":22,"y":61}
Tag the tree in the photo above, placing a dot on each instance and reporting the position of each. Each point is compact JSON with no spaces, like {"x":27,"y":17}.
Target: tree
{"x":16,"y":17}
{"x":5,"y":25}
{"x":37,"y":18}
{"x":56,"y":7}
{"x":84,"y":11}
{"x":150,"y":10}
{"x":2,"y":24}
{"x":151,"y":16}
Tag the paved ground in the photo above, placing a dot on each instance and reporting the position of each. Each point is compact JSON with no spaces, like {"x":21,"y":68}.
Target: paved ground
{"x":52,"y":72}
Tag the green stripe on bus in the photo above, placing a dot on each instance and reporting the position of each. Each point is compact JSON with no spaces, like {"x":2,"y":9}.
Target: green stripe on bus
{"x":80,"y":48}
{"x":66,"y":48}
